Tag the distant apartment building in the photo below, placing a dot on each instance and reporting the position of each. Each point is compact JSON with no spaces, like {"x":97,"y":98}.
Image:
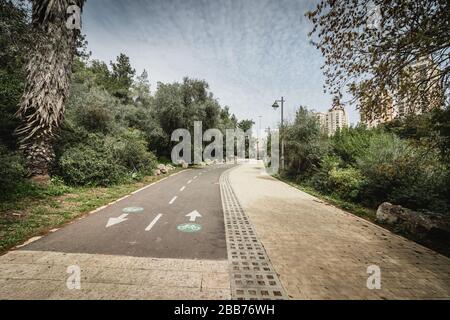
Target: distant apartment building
{"x":386,"y":114}
{"x":322,"y":118}
{"x":398,"y":107}
{"x":335,"y":119}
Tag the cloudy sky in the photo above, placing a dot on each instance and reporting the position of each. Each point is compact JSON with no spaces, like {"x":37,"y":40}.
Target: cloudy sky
{"x":249,"y":51}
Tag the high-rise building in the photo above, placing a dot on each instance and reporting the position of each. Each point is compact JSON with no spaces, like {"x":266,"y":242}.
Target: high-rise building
{"x":411,"y":102}
{"x":335,"y":119}
{"x":424,"y":99}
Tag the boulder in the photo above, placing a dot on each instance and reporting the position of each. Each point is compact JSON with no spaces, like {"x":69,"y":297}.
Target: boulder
{"x":162,"y":168}
{"x":183,"y":164}
{"x":157,"y":172}
{"x":422,"y":224}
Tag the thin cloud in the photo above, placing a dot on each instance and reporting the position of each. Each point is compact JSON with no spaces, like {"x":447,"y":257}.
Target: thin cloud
{"x":250,"y":51}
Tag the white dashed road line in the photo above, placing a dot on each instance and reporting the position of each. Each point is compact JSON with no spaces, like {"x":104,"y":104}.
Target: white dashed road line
{"x":173,"y":199}
{"x":150,"y":226}
{"x":190,"y":181}
{"x":182,"y":188}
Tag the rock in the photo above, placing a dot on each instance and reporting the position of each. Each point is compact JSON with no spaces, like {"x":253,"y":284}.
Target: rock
{"x":183,"y":164}
{"x":157,"y":172}
{"x":427,"y":224}
{"x":162,"y":168}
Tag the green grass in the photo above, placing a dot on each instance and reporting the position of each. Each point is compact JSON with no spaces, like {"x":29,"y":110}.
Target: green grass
{"x":34,"y":210}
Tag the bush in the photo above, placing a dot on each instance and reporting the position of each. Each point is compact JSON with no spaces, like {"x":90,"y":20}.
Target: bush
{"x":350,"y":143}
{"x":130,"y":150}
{"x":84,"y":165}
{"x":321,"y":179}
{"x":12,"y":171}
{"x":92,"y":108}
{"x":400,"y":173}
{"x":346,"y":183}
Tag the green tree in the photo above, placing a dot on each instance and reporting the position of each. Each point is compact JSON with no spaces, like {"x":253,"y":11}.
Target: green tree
{"x":141,"y":90}
{"x":122,"y":78}
{"x":305,"y":145}
{"x":246,"y":125}
{"x":14,"y":43}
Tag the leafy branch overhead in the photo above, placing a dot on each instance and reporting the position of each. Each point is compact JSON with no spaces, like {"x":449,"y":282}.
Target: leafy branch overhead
{"x":383,"y":49}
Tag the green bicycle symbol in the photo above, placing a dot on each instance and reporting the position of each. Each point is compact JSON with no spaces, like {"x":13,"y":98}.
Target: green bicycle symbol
{"x":189,"y":227}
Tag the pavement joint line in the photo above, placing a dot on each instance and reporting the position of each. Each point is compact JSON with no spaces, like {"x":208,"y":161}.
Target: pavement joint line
{"x":154,"y":221}
{"x":252,"y":275}
{"x":173,"y":199}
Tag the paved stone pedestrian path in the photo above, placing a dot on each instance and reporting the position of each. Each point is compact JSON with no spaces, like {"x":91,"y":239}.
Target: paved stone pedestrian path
{"x":43,"y":275}
{"x":321,"y":252}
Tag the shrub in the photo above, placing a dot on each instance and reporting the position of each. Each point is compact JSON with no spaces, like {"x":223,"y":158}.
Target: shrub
{"x":92,"y":108}
{"x":130,"y":150}
{"x":321,"y":179}
{"x":346,"y":183}
{"x":350,"y":143}
{"x":84,"y":165}
{"x":12,"y":171}
{"x":400,"y":173}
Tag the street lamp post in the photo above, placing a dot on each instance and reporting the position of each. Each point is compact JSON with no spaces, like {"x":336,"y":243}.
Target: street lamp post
{"x":276,"y":106}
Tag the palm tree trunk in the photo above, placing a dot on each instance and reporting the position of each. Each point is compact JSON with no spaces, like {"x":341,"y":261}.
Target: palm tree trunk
{"x":41,"y":109}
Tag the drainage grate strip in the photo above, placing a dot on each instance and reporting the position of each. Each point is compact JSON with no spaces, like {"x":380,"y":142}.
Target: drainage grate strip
{"x":252,"y":275}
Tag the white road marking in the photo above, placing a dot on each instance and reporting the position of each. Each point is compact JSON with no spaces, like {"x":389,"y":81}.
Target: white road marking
{"x":195,"y":177}
{"x":114,"y":221}
{"x":190,"y":181}
{"x":182,"y":188}
{"x":150,"y":226}
{"x":173,"y":199}
{"x":160,"y":180}
{"x":193,"y":215}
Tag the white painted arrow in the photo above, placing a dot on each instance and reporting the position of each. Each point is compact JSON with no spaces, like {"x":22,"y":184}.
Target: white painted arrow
{"x":193,"y":215}
{"x":114,"y":221}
